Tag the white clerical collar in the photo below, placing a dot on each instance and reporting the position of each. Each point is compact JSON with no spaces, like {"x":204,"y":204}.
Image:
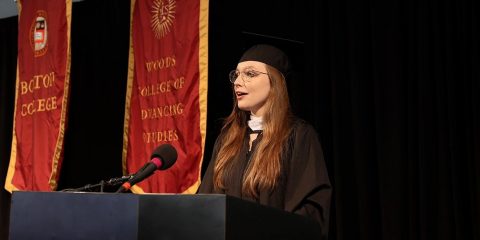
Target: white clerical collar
{"x":255,"y":123}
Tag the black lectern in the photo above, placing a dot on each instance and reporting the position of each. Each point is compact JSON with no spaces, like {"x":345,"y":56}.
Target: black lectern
{"x":62,"y":215}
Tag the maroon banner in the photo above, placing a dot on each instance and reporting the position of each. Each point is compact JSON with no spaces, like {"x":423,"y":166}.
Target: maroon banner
{"x":43,"y":72}
{"x":167,"y":91}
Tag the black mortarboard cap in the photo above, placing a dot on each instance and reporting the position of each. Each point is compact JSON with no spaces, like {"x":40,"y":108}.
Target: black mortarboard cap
{"x":268,"y":54}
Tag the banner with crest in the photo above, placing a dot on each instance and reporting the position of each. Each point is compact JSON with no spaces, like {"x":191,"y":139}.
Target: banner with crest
{"x":42,"y":87}
{"x":166,"y":98}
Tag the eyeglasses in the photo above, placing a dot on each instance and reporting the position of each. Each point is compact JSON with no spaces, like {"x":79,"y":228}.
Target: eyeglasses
{"x":246,"y":75}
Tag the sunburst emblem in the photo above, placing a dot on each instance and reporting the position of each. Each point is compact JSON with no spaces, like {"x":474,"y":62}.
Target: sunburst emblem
{"x":162,"y":17}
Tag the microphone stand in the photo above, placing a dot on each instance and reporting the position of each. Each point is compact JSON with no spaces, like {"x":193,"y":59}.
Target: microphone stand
{"x":90,"y":187}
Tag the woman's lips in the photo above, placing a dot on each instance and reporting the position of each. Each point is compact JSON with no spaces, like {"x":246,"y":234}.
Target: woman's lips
{"x":240,"y":95}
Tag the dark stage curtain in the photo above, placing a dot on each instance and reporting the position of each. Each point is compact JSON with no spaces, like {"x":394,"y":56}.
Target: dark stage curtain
{"x":392,"y":88}
{"x":8,"y":64}
{"x":405,"y":116}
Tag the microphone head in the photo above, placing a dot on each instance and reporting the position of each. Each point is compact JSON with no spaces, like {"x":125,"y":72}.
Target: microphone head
{"x":167,"y":154}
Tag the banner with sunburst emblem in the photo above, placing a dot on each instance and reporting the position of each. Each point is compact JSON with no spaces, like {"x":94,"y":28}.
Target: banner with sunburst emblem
{"x":43,"y":73}
{"x":166,"y":98}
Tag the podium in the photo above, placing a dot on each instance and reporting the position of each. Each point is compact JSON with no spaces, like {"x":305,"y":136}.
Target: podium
{"x":62,"y":215}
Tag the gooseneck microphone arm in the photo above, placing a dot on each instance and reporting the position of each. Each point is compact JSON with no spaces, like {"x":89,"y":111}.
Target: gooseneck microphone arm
{"x":91,"y":187}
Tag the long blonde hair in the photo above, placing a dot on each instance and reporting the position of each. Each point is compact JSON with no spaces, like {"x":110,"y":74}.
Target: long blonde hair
{"x":263,"y":172}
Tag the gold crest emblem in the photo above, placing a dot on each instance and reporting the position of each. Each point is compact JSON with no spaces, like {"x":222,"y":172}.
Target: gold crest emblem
{"x":39,"y":34}
{"x":162,"y":17}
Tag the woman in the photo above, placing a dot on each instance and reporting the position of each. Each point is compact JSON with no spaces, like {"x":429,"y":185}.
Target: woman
{"x":264,"y":153}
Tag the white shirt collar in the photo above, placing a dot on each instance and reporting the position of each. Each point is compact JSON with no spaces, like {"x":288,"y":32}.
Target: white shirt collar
{"x":255,"y":123}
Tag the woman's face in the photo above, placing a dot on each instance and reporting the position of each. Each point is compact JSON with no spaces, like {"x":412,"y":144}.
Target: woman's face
{"x":252,"y":87}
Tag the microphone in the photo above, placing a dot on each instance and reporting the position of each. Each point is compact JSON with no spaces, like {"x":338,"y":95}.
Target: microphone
{"x":163,"y":157}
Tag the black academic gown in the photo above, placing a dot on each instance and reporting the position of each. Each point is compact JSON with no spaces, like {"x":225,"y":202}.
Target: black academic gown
{"x":304,"y":187}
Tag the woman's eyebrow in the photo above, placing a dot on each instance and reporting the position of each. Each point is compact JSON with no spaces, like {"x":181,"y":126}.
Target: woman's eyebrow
{"x":248,"y":68}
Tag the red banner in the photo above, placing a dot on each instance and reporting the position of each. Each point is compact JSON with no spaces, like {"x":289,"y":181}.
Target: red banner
{"x":43,"y":72}
{"x":167,"y":91}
